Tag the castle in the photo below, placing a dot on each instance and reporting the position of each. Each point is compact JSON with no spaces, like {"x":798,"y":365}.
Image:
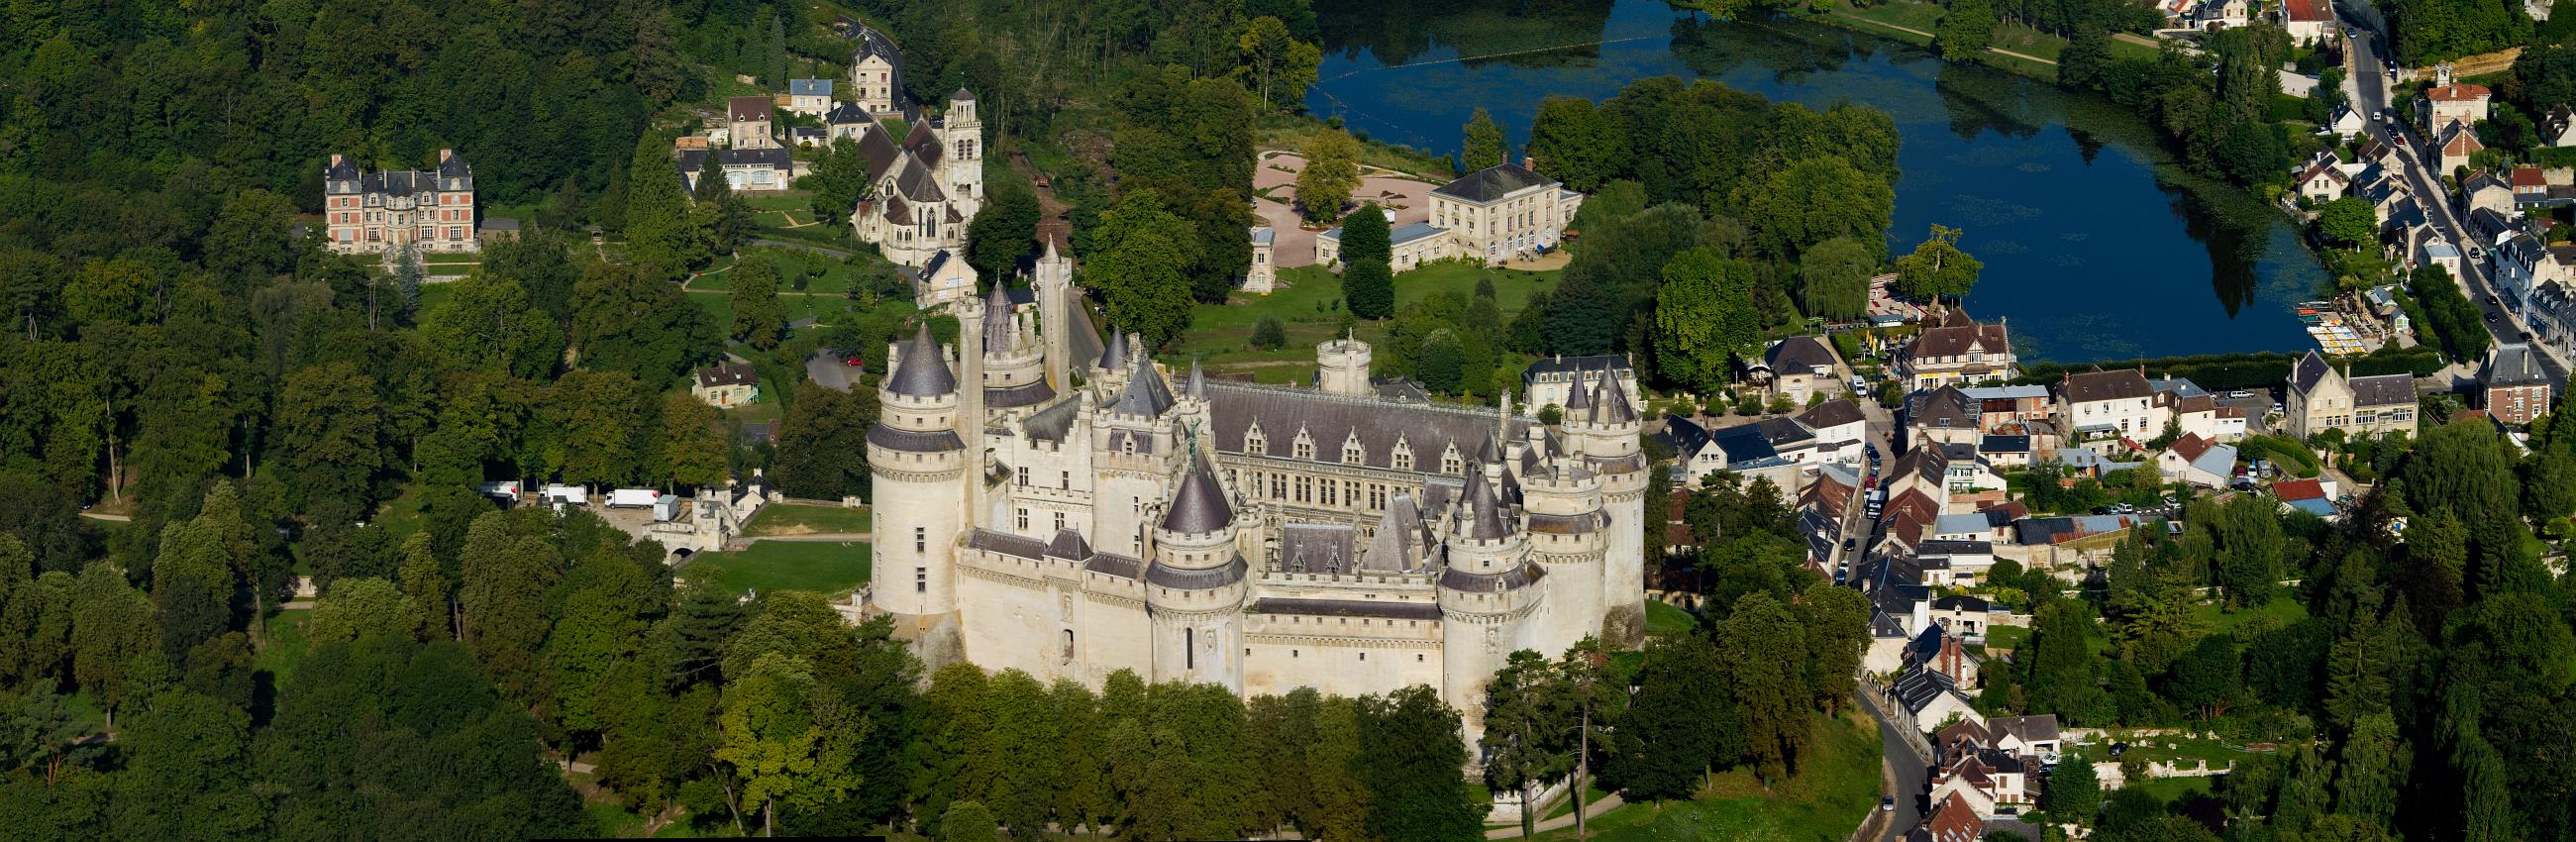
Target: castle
{"x":1260,"y":537}
{"x":924,"y":189}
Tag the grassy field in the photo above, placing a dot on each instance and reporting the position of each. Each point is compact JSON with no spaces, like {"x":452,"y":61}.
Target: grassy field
{"x":1822,"y":803}
{"x":779,"y":519}
{"x":286,"y":645}
{"x":1662,"y":618}
{"x":2007,"y":637}
{"x":2007,"y":36}
{"x":434,"y":258}
{"x":832,"y":277}
{"x":2175,"y":789}
{"x":830,"y":567}
{"x":431,"y":294}
{"x":1310,"y":307}
{"x":2283,"y":610}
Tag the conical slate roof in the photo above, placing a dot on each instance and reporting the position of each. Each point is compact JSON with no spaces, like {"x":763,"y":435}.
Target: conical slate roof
{"x":1578,"y":397}
{"x":1146,"y":393}
{"x":997,"y":318}
{"x":1198,"y":381}
{"x":1511,"y":487}
{"x":1612,"y":406}
{"x":921,"y":374}
{"x":1198,"y":506}
{"x":1488,"y":452}
{"x":1485,"y":521}
{"x":1114,"y":357}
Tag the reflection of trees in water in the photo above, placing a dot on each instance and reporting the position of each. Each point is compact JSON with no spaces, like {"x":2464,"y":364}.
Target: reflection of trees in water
{"x":1401,"y":31}
{"x":2085,"y":144}
{"x":2234,"y":249}
{"x":1979,"y":102}
{"x":1792,"y":53}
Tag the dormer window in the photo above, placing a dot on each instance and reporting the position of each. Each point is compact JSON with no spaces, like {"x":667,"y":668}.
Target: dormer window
{"x":1403,"y":457}
{"x":1254,"y":442}
{"x":1305,"y":447}
{"x":1352,"y":453}
{"x":1450,"y":462}
{"x":1126,"y":444}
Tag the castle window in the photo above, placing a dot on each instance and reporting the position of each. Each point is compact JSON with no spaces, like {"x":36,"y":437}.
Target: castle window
{"x":1024,"y":476}
{"x":1450,"y":463}
{"x":920,"y":540}
{"x":1305,"y":448}
{"x":1330,"y":497}
{"x":1255,"y":442}
{"x":1403,"y":458}
{"x":1189,"y":649}
{"x":1127,"y":444}
{"x":1064,"y":480}
{"x":1417,"y":657}
{"x":1024,"y":520}
{"x":1068,"y":646}
{"x":921,"y":580}
{"x":1352,"y":453}
{"x":1059,"y":521}
{"x":1305,"y":489}
{"x":1364,"y":656}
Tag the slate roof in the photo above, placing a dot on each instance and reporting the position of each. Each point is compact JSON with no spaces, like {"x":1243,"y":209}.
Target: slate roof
{"x":2383,"y":390}
{"x":1198,"y":505}
{"x":1006,"y":543}
{"x":1484,"y":518}
{"x":1491,"y":183}
{"x":751,"y":108}
{"x":1069,"y":544}
{"x":2311,"y":368}
{"x":1195,"y":579}
{"x":736,"y":374}
{"x":1401,"y":540}
{"x":1349,"y":608}
{"x":1957,"y":338}
{"x":1559,"y":364}
{"x":846,"y":113}
{"x":1832,"y":413}
{"x":1944,"y":408}
{"x":908,"y":441}
{"x":809,"y":87}
{"x":1429,"y":429}
{"x":1146,"y":394}
{"x":2513,"y":364}
{"x":1317,"y":548}
{"x":2104,"y":385}
{"x":921,"y":373}
{"x":1801,"y":354}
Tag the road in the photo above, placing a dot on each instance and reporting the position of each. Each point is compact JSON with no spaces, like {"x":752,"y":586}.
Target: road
{"x":1907,"y":765}
{"x":2368,"y":74}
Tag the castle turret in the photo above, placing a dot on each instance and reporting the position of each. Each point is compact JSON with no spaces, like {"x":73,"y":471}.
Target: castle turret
{"x":1053,"y":283}
{"x":1342,"y":367}
{"x":962,"y":132}
{"x":919,"y":465}
{"x":1014,"y":362}
{"x":1196,"y":584}
{"x":1611,"y":448}
{"x":1134,"y":452}
{"x":1487,"y":594}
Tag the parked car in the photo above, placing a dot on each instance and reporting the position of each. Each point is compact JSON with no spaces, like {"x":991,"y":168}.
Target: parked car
{"x":1887,"y":804}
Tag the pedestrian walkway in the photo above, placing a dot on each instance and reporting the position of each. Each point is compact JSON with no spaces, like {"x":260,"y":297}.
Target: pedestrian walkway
{"x":1590,"y":811}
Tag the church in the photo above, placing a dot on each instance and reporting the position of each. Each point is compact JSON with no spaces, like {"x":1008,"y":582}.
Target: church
{"x":924,"y":188}
{"x":1071,"y":517}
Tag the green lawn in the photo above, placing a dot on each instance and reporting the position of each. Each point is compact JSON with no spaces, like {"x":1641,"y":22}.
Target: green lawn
{"x":2006,"y":637}
{"x":1662,"y":618}
{"x":829,"y":309}
{"x":434,"y":258}
{"x":285,"y":647}
{"x":778,"y":519}
{"x":2174,"y":789}
{"x":2283,"y":610}
{"x":431,"y":294}
{"x":830,"y":567}
{"x":1822,"y":803}
{"x":1309,"y":306}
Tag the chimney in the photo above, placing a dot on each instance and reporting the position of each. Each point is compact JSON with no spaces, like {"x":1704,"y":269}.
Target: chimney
{"x":337,"y":159}
{"x":445,"y":154}
{"x":1950,"y":658}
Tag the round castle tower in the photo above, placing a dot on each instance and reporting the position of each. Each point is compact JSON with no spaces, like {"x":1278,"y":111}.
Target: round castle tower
{"x":1195,"y":587}
{"x":1342,"y":367}
{"x":1015,"y":378}
{"x":1604,"y":433}
{"x":919,"y":468}
{"x":1486,"y":594}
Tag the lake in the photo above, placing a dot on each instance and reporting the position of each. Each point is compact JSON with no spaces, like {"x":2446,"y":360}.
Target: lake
{"x":2096,"y":245}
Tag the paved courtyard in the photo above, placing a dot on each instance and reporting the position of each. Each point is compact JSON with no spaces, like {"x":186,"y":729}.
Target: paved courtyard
{"x":1406,"y":199}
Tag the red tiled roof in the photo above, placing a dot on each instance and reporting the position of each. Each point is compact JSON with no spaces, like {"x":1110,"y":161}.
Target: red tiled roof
{"x":2304,"y":11}
{"x":2457,"y":92}
{"x":2190,"y":447}
{"x":2527,"y":177}
{"x":2299,"y":489}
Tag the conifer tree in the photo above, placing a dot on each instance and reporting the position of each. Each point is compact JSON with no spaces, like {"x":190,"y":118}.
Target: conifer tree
{"x":1368,"y":278}
{"x":1485,"y":146}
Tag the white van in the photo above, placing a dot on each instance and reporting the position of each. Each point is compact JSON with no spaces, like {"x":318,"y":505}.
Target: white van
{"x":633,"y":498}
{"x":564,"y":495}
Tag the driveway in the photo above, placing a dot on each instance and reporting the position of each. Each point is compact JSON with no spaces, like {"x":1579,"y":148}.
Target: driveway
{"x":828,"y":371}
{"x":1407,"y":200}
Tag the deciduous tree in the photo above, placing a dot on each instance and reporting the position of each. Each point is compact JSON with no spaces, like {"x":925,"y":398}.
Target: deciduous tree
{"x":1332,"y":172}
{"x":1485,"y":146}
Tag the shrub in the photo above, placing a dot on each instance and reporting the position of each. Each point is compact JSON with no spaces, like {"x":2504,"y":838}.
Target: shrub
{"x":1269,"y":335}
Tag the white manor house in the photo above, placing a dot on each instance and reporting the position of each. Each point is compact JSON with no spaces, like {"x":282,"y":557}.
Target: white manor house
{"x":1260,"y":537}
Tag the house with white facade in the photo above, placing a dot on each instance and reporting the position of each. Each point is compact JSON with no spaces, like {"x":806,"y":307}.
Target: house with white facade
{"x":2100,"y":408}
{"x":810,"y":97}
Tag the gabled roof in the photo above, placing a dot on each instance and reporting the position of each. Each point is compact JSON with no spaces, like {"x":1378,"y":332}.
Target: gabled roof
{"x":753,"y":108}
{"x":2311,"y":369}
{"x":2299,"y":489}
{"x":809,"y":87}
{"x":736,"y":374}
{"x":1832,"y":413}
{"x":1943,"y":408}
{"x":2383,"y":390}
{"x":1492,"y":183}
{"x":2457,"y":92}
{"x":1800,"y":354}
{"x":2116,"y":384}
{"x":2513,"y":364}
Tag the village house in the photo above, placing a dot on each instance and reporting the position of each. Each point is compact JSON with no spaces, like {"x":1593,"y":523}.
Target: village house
{"x":2346,"y":122}
{"x":2321,"y":399}
{"x":2202,"y":416}
{"x":810,"y":97}
{"x":2446,"y":104}
{"x":1840,"y":429}
{"x":2103,"y":408}
{"x":924,"y":190}
{"x":1957,"y":350}
{"x":1952,"y":820}
{"x":1263,"y":275}
{"x":2559,"y":128}
{"x":1799,"y":366}
{"x":726,"y":386}
{"x":876,"y":73}
{"x":1565,"y":382}
{"x":2530,"y":186}
{"x":376,"y":212}
{"x":2512,"y":388}
{"x":2459,"y":143}
{"x":744,"y":170}
{"x":752,"y":122}
{"x":2306,"y":495}
{"x":2485,"y":191}
{"x":846,"y":121}
{"x":2322,"y":182}
{"x":2309,"y":22}
{"x":2197,"y":462}
{"x":1943,"y":415}
{"x":943,"y":279}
